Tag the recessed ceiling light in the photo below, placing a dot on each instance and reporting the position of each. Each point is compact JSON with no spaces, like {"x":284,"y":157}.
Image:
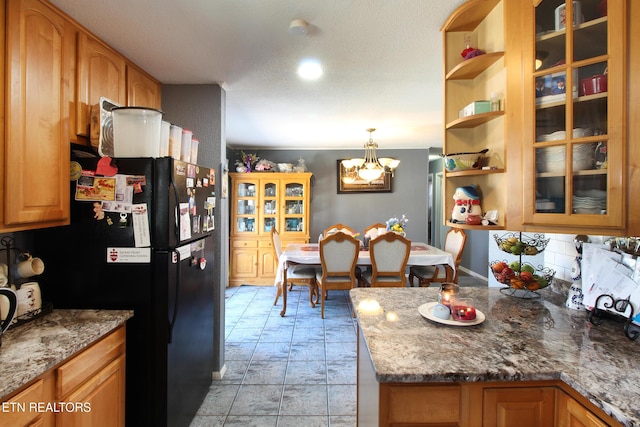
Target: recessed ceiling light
{"x":310,"y":69}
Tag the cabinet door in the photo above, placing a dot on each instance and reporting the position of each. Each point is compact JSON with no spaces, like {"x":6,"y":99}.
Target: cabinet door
{"x":100,"y":399}
{"x":295,"y":202}
{"x":523,"y":407}
{"x":244,"y":263}
{"x":575,"y":161}
{"x":270,"y":206}
{"x":570,"y":413}
{"x":101,"y":72}
{"x":142,"y":90}
{"x":245,"y":207}
{"x":40,"y":53}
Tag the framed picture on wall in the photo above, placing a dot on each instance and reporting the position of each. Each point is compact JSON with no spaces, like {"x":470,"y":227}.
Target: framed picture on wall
{"x":350,"y":182}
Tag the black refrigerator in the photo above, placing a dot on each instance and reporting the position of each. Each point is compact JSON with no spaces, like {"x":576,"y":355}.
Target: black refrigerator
{"x":141,"y":238}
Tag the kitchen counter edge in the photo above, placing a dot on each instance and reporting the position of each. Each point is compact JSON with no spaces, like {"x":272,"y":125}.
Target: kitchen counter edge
{"x":31,"y":349}
{"x":519,"y":341}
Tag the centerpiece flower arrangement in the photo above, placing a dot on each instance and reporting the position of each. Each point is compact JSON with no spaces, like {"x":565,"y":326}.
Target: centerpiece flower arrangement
{"x":397,"y":225}
{"x":246,"y":162}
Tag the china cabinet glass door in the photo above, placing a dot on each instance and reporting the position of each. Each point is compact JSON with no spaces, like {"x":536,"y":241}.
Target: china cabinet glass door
{"x":573,"y":130}
{"x":246,"y":213}
{"x":294,"y":214}
{"x":269,"y":206}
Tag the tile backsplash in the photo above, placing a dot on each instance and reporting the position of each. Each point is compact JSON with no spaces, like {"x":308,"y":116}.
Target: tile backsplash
{"x":561,"y":252}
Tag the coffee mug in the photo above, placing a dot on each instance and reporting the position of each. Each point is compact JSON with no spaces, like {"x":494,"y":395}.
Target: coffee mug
{"x":29,"y":298}
{"x":8,"y":307}
{"x":28,"y":268}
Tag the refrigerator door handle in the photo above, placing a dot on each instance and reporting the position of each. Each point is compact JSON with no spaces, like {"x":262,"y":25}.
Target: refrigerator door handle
{"x":177,"y":207}
{"x":172,"y":321}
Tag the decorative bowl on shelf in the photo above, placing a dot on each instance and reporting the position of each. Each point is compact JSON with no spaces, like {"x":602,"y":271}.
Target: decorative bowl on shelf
{"x":463,"y":161}
{"x":516,"y":244}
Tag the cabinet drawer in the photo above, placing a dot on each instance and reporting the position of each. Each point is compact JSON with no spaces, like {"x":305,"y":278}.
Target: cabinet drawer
{"x":19,"y":413}
{"x":265,"y":244}
{"x":90,"y":361}
{"x":414,"y":404}
{"x":244,"y":244}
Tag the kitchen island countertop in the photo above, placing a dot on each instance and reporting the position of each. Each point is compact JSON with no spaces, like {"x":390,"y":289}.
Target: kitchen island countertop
{"x":520,"y":340}
{"x":30,"y":349}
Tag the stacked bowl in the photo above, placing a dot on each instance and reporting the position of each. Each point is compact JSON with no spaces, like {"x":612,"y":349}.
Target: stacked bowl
{"x":589,"y":202}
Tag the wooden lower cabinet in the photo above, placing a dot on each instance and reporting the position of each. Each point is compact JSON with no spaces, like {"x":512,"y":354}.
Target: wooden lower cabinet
{"x":524,"y":407}
{"x":571,"y":413}
{"x":86,"y":390}
{"x":485,"y":404}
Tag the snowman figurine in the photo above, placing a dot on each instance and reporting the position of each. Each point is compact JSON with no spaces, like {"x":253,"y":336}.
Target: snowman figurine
{"x":466,"y":201}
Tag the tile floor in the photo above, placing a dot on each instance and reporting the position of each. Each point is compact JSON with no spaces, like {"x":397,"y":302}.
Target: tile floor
{"x":297,"y":370}
{"x":280,"y":369}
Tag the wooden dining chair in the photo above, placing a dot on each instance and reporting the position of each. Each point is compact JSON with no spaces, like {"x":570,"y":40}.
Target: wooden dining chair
{"x":337,"y":228}
{"x":389,"y":255}
{"x":374,"y":230}
{"x":296,"y":274}
{"x":338,"y":257}
{"x":454,"y":244}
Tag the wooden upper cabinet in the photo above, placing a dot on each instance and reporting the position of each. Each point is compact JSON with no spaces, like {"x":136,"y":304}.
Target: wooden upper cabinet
{"x":101,"y":72}
{"x":142,"y":89}
{"x":40,"y":54}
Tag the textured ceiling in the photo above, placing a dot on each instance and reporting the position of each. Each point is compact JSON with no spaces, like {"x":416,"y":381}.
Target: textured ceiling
{"x":382,"y":63}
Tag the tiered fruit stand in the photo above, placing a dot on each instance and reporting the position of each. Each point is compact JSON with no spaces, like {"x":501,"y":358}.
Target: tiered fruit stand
{"x":522,"y":279}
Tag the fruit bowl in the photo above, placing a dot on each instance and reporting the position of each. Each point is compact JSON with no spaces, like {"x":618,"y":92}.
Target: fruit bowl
{"x":523,"y":276}
{"x":517,"y":244}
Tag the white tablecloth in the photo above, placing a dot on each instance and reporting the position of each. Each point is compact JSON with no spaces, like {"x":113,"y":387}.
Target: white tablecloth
{"x":308,"y":253}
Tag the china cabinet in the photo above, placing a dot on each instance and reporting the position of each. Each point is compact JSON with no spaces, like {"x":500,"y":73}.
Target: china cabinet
{"x":479,"y":24}
{"x":261,"y":201}
{"x":574,"y":133}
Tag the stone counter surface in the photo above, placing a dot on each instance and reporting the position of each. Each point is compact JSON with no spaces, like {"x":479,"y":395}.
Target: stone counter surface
{"x":33,"y":348}
{"x":520,"y":340}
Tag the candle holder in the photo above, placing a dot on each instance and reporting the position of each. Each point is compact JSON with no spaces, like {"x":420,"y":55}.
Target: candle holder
{"x":463,"y":309}
{"x":448,"y":291}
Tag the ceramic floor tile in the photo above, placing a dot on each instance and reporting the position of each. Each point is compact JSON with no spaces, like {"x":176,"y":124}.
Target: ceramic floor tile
{"x":304,"y":400}
{"x":208,"y":421}
{"x":341,"y":350}
{"x":276,"y":373}
{"x":266,"y":372}
{"x":306,"y":372}
{"x":244,"y":334}
{"x":239,"y":350}
{"x":272,"y":351}
{"x":277,"y":334}
{"x":307,"y":421}
{"x":342,"y":371}
{"x":234,"y":373}
{"x":219,"y":400}
{"x":251,"y":421}
{"x":257,"y":400}
{"x":342,"y":399}
{"x":310,"y":350}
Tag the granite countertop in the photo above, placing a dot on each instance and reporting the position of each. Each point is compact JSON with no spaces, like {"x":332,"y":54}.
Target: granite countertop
{"x":33,"y":348}
{"x":520,"y":340}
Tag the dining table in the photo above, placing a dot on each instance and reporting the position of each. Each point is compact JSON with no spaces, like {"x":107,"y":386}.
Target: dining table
{"x":420,"y":254}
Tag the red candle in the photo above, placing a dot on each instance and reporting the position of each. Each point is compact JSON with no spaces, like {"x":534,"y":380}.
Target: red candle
{"x":463,"y":309}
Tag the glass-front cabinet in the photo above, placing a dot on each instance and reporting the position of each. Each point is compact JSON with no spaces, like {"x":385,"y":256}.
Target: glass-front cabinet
{"x":262,"y":202}
{"x":574,"y":144}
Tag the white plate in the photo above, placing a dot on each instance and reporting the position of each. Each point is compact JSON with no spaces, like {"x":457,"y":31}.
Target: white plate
{"x":426,"y":310}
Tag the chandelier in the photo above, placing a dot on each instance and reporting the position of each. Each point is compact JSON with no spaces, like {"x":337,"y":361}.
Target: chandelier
{"x":369,"y":168}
